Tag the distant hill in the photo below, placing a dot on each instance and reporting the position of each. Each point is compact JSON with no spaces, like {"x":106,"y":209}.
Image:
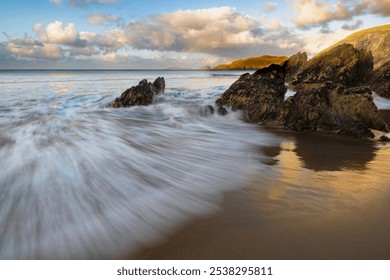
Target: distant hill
{"x":253,"y":62}
{"x":375,"y":39}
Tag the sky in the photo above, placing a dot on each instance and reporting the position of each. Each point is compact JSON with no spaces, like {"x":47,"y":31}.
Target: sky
{"x":155,"y":34}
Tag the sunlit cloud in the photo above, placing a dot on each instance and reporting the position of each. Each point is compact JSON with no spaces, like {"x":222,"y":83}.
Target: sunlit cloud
{"x":270,"y":6}
{"x":103,"y":19}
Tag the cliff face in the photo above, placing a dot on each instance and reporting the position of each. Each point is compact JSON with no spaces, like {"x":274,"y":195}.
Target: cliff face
{"x":343,"y":64}
{"x":375,"y":39}
{"x":253,"y":62}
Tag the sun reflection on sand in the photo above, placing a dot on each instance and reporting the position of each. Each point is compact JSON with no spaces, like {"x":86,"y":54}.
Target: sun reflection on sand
{"x":303,"y":186}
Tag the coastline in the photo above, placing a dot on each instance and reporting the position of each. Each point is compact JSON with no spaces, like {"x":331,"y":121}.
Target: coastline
{"x":316,"y":208}
{"x":241,"y":231}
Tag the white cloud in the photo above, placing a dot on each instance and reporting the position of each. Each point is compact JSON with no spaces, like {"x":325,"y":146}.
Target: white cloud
{"x":352,"y":25}
{"x":30,"y":47}
{"x":221,"y":31}
{"x":37,"y":27}
{"x":381,"y":7}
{"x":314,"y":12}
{"x":103,"y":19}
{"x":58,"y":33}
{"x":310,"y":13}
{"x":270,"y":6}
{"x":275,"y":24}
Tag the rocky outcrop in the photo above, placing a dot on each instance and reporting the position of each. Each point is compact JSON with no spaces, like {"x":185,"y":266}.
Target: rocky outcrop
{"x":380,"y":80}
{"x":333,"y":108}
{"x":159,"y":85}
{"x":375,"y":39}
{"x":343,"y":65}
{"x":142,"y":94}
{"x":260,"y":94}
{"x":294,"y":63}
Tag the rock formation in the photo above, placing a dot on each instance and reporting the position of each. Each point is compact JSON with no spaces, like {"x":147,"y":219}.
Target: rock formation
{"x":375,"y":39}
{"x":380,"y":80}
{"x":294,"y":63}
{"x":341,"y":65}
{"x":260,"y":95}
{"x":142,"y":94}
{"x":333,"y":108}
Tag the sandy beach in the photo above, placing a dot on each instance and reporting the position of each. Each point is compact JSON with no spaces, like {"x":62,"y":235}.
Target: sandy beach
{"x":321,"y":204}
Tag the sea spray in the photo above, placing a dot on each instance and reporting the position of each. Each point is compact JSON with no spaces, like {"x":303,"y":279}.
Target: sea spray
{"x":81,"y":181}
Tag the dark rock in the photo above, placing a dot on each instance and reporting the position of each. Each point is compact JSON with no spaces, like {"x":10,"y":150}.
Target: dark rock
{"x":142,"y":94}
{"x":294,"y":63}
{"x":333,"y":108}
{"x":260,"y":95}
{"x":380,"y":81}
{"x":341,"y":65}
{"x":207,"y":110}
{"x":384,"y":138}
{"x":222,"y":111}
{"x":159,"y":85}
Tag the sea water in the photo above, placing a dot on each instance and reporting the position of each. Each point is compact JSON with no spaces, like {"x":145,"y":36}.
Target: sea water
{"x":79,"y":180}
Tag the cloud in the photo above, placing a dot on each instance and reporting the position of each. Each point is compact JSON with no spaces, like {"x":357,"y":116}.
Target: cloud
{"x":58,"y":33}
{"x":270,"y":6}
{"x":275,"y":24}
{"x":103,"y":19}
{"x":216,"y":30}
{"x":218,"y":33}
{"x":29,"y":47}
{"x":381,"y":7}
{"x":352,"y":25}
{"x":315,"y":13}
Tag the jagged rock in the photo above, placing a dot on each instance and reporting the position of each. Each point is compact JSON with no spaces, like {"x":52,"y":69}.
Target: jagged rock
{"x":206,"y":110}
{"x":375,"y":39}
{"x":159,"y":85}
{"x":341,"y":65}
{"x":294,"y":63}
{"x":142,"y":94}
{"x":260,"y":95}
{"x":334,"y":108}
{"x":380,"y":81}
{"x":384,"y":138}
{"x":222,"y":111}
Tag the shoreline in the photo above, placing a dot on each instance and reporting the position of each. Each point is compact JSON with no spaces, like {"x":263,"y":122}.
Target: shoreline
{"x":323,"y":204}
{"x":240,"y":231}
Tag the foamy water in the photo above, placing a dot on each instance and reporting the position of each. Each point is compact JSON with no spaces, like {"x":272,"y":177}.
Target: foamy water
{"x":79,"y":180}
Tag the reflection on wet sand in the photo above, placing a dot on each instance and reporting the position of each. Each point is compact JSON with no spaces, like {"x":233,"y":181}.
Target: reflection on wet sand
{"x":323,"y":197}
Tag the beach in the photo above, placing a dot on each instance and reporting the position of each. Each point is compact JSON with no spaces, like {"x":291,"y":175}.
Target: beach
{"x":329,"y":201}
{"x":171,"y":180}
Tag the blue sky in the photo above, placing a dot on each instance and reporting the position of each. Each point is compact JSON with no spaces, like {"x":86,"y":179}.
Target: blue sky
{"x":163,"y":34}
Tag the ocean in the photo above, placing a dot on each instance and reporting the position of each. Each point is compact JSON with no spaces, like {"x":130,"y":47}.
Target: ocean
{"x":79,"y":180}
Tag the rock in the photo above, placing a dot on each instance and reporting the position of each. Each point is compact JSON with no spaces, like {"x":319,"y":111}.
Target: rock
{"x":384,"y":138}
{"x":260,"y":95}
{"x":294,"y":63}
{"x":206,"y":110}
{"x":159,"y":85}
{"x":380,"y":81}
{"x":142,"y":94}
{"x":375,"y":39}
{"x":222,"y":111}
{"x":334,"y":108}
{"x":341,"y":65}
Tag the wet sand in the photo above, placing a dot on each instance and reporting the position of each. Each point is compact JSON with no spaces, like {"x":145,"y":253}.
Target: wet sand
{"x":328,"y":198}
